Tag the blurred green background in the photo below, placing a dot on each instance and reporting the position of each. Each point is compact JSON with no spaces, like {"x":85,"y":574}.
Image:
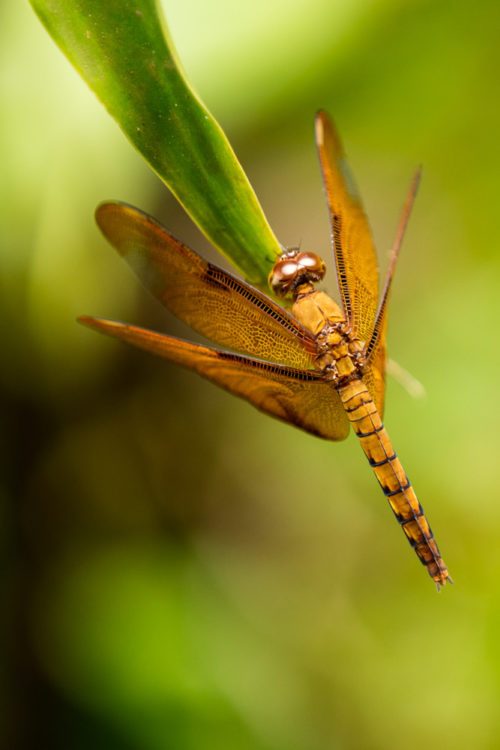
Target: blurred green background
{"x":182,"y":572}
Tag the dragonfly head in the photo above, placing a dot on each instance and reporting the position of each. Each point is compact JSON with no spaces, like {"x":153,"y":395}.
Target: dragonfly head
{"x":294,"y":268}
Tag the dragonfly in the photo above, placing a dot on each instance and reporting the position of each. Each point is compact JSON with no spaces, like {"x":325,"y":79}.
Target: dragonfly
{"x":319,"y":366}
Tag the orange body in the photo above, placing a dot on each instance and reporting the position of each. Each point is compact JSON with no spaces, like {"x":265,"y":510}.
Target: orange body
{"x":367,"y":424}
{"x":341,"y":360}
{"x":320,"y":368}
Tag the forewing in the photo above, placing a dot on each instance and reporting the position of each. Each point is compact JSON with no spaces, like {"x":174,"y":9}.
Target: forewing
{"x":355,"y":256}
{"x":300,"y":397}
{"x":213,"y":302}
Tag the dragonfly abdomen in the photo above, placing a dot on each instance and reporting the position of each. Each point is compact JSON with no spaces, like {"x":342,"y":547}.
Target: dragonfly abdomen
{"x":367,"y":424}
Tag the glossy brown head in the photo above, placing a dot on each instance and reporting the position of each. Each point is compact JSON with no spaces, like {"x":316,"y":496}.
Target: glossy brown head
{"x":294,"y":268}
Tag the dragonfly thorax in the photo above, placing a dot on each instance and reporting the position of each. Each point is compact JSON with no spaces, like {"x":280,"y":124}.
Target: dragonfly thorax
{"x":341,"y":355}
{"x":293,"y":269}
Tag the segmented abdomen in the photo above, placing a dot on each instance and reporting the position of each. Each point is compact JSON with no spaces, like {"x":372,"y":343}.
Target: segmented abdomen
{"x":367,"y":424}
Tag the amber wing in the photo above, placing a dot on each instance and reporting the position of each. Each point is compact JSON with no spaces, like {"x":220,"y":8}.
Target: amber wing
{"x":355,"y":256}
{"x":374,"y":377}
{"x":213,"y":302}
{"x":300,"y":397}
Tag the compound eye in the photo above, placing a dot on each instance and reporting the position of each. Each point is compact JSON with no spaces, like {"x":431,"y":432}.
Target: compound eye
{"x":287,"y":269}
{"x":282,"y":276}
{"x":294,"y":269}
{"x":312,"y":263}
{"x":306,"y":261}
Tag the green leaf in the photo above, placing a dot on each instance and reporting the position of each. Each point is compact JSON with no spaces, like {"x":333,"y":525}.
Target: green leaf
{"x":123,"y":51}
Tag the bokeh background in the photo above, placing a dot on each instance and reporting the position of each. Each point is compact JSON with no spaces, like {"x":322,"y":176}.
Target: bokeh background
{"x":180,"y":571}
